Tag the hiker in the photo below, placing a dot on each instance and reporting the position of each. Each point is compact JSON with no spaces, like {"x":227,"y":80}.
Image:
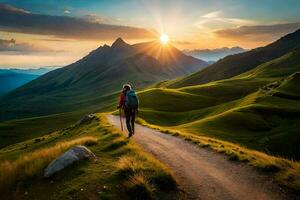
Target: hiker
{"x":129,"y":102}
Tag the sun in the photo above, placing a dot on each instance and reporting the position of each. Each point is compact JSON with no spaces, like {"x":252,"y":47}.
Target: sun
{"x":164,"y":38}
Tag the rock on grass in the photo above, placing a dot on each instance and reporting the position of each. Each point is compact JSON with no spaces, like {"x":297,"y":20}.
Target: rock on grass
{"x":74,"y":154}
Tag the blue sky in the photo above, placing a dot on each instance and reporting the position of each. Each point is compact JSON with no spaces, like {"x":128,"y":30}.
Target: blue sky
{"x":264,"y":10}
{"x":68,"y":29}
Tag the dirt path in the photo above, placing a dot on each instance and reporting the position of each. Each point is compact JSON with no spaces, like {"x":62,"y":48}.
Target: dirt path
{"x":202,"y":173}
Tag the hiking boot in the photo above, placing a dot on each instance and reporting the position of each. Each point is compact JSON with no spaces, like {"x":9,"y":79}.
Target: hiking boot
{"x":130,"y":134}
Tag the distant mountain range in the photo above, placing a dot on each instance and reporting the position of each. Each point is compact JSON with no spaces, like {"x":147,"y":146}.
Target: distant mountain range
{"x":38,"y":71}
{"x":11,"y":79}
{"x":213,"y":54}
{"x":92,"y":82}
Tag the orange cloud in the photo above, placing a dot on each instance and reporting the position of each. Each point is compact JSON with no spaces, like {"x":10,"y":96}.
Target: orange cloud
{"x":20,"y":21}
{"x":256,"y":33}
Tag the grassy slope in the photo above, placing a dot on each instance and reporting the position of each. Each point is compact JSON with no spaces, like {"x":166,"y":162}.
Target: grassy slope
{"x":91,"y":92}
{"x":89,"y":83}
{"x":18,"y":130}
{"x":23,"y":129}
{"x":290,"y":87}
{"x":122,"y":170}
{"x":249,"y":109}
{"x":277,"y":68}
{"x":201,"y":100}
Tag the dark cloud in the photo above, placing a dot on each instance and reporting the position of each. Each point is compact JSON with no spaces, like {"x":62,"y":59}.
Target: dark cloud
{"x":12,"y":47}
{"x":258,"y":32}
{"x":20,"y":21}
{"x":11,"y":9}
{"x":93,"y":18}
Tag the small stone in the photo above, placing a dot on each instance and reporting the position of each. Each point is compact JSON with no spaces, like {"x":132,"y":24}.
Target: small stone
{"x":85,"y":119}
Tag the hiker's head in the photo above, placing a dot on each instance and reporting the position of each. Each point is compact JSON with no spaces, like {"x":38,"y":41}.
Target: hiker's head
{"x":126,"y":87}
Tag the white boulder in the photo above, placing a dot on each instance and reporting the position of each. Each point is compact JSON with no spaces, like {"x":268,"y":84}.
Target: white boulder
{"x":74,"y":154}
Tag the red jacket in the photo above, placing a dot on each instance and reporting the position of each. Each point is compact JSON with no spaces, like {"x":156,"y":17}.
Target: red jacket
{"x":122,"y":100}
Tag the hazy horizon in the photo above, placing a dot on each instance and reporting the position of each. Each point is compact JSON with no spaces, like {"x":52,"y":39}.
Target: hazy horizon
{"x":109,"y":44}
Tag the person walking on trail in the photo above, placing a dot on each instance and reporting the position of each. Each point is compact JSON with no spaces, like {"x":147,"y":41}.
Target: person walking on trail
{"x":130,"y":103}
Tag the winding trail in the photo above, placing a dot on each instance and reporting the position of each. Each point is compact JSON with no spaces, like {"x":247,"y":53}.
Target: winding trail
{"x":202,"y":173}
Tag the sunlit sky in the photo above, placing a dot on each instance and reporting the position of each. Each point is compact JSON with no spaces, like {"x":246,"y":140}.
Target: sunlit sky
{"x":36,"y":33}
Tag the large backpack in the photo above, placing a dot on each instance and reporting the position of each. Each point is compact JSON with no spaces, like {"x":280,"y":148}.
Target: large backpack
{"x":131,"y":100}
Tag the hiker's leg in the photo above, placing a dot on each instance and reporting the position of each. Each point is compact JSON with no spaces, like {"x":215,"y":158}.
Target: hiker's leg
{"x":128,"y":116}
{"x":132,"y":120}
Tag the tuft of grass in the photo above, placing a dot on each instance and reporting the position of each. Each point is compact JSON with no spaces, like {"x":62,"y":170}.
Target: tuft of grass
{"x":139,"y":187}
{"x":144,"y":179}
{"x":30,"y":164}
{"x":233,"y":157}
{"x":128,"y":166}
{"x":158,"y":174}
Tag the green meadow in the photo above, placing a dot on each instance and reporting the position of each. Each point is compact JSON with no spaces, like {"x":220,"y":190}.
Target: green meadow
{"x":259,"y":109}
{"x":122,"y":169}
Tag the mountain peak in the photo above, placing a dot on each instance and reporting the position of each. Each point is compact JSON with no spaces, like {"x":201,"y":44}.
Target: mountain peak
{"x":119,"y":43}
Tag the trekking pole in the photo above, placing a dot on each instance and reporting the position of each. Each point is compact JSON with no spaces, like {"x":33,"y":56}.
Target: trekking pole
{"x":121,"y":119}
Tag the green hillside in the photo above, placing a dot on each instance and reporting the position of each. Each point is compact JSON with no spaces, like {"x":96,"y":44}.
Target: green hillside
{"x":122,"y":170}
{"x":259,"y":109}
{"x":14,"y":131}
{"x":289,"y":88}
{"x":92,"y":82}
{"x":234,"y":65}
{"x":280,"y":67}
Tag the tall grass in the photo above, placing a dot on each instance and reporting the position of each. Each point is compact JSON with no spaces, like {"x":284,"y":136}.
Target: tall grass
{"x":128,"y":166}
{"x":139,"y":187}
{"x":145,"y":175}
{"x":137,"y":184}
{"x":31,"y":164}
